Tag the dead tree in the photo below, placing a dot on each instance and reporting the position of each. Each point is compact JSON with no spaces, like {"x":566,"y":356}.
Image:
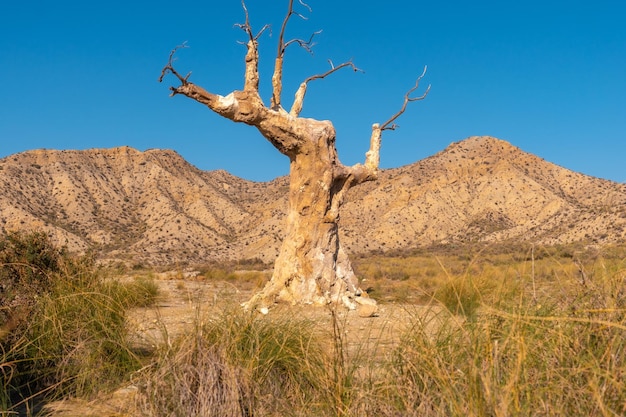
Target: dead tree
{"x":312,"y":267}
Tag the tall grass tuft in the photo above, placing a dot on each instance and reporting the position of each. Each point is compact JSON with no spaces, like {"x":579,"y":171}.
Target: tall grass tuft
{"x":192,"y":377}
{"x":512,"y":364}
{"x":238,"y":364}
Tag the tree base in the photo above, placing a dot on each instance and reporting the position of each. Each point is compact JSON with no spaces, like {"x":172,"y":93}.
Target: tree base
{"x":263,"y":301}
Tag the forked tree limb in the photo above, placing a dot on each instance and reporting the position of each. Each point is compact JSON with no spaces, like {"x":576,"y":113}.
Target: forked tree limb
{"x":277,"y":76}
{"x":389,"y":124}
{"x":242,"y":106}
{"x":368,"y":171}
{"x":298,"y":102}
{"x":281,"y":37}
{"x":246,"y":27}
{"x":169,"y":67}
{"x":251,"y":80}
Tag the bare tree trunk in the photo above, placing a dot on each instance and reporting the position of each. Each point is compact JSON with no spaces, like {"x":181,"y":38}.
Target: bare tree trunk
{"x":312,"y":267}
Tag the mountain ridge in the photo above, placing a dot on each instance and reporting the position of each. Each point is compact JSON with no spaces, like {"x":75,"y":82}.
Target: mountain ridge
{"x":155,"y":207}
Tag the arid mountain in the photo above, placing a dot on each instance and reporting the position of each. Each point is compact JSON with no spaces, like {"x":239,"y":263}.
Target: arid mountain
{"x":484,"y":189}
{"x":154,"y":207}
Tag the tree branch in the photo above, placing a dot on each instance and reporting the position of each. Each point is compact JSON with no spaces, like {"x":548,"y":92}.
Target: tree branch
{"x":281,"y":36}
{"x":169,"y":68}
{"x":251,"y":81}
{"x":368,"y":171}
{"x":296,"y":108}
{"x":277,"y":77}
{"x":246,"y":27}
{"x":306,"y":45}
{"x":389,"y":124}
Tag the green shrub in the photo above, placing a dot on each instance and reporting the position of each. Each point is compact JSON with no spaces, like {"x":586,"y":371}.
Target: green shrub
{"x":73,"y":342}
{"x":27,"y":264}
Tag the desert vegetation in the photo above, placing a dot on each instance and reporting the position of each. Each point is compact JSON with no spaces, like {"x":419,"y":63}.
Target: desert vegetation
{"x":63,"y":324}
{"x":483,"y":331}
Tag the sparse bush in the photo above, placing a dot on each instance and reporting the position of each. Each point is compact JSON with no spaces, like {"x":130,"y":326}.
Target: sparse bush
{"x":460,"y":295}
{"x":74,"y":341}
{"x":27,"y":264}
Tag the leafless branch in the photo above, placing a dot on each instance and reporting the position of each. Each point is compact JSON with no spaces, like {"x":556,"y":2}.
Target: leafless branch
{"x":170,"y":67}
{"x":306,"y":45}
{"x":277,"y":77}
{"x":281,"y":37}
{"x":389,"y":124}
{"x":296,"y":108}
{"x":332,"y":69}
{"x":246,"y":27}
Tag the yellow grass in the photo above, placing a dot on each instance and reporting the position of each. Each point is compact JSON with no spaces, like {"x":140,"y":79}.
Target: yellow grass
{"x":521,"y":331}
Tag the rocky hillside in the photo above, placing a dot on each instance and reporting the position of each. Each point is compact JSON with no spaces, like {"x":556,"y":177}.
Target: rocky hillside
{"x":154,"y":207}
{"x":484,"y":189}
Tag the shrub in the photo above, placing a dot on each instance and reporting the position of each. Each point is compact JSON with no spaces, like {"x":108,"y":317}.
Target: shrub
{"x":27,"y":263}
{"x":140,"y":292}
{"x":74,"y":341}
{"x":459,"y":295}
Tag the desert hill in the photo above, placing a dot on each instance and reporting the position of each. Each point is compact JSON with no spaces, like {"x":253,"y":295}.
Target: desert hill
{"x":154,"y":207}
{"x":485,"y":189}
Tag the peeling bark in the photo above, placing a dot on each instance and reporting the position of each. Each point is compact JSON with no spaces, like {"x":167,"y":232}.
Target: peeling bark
{"x":312,"y":267}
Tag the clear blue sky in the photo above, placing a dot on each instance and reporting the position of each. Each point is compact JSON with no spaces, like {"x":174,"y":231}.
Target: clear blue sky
{"x":547,"y":76}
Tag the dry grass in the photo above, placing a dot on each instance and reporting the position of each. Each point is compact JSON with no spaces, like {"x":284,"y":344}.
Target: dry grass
{"x":502,"y":335}
{"x":544,"y":334}
{"x":471,"y":277}
{"x":522,"y":362}
{"x":237,"y":364}
{"x":535,"y":331}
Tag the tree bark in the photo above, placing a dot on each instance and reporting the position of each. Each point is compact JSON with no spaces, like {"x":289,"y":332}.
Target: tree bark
{"x":312,"y":267}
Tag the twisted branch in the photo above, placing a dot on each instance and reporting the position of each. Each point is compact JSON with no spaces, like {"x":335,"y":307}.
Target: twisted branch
{"x":306,"y":45}
{"x":169,"y":68}
{"x":277,"y":77}
{"x":389,"y":124}
{"x":246,"y":27}
{"x":296,"y":108}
